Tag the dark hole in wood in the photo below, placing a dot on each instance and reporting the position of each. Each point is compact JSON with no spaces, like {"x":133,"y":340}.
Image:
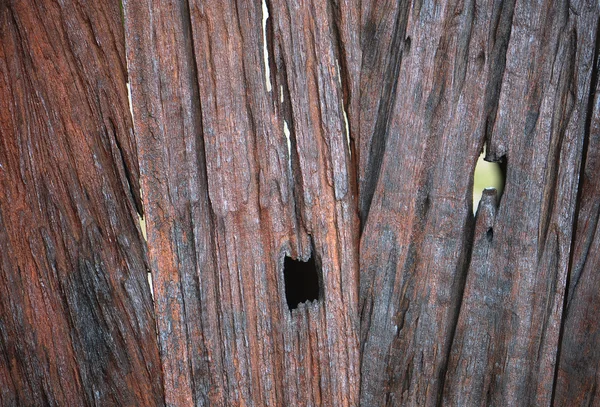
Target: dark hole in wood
{"x":407,"y":43}
{"x":302,"y":281}
{"x":503,"y":169}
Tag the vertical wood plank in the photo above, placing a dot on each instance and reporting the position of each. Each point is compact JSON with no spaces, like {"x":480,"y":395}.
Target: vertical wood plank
{"x":425,"y":70}
{"x":229,"y":195}
{"x":76,"y":320}
{"x":578,"y":379}
{"x":508,"y":331}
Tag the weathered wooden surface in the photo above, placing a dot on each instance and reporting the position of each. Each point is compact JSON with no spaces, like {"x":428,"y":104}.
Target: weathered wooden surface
{"x":227,"y":196}
{"x":516,"y":76}
{"x":421,"y":303}
{"x":76,"y":321}
{"x":453,"y":310}
{"x":508,"y":331}
{"x":418,"y":222}
{"x":578,"y":374}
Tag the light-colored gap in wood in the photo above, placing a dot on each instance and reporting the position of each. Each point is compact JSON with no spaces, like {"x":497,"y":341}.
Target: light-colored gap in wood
{"x":129,"y":100}
{"x":265,"y":16}
{"x":487,"y":175}
{"x":286,"y":132}
{"x":151,"y":285}
{"x":142,"y":223}
{"x":347,"y":127}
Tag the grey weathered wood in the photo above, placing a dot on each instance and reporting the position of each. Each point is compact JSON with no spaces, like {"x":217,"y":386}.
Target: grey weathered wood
{"x":578,"y":379}
{"x":419,"y":154}
{"x":508,"y":331}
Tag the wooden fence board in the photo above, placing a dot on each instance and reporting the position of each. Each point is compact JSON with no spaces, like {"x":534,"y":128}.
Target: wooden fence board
{"x":508,"y":331}
{"x":578,"y":379}
{"x":418,"y":224}
{"x":76,"y":320}
{"x":228,"y":196}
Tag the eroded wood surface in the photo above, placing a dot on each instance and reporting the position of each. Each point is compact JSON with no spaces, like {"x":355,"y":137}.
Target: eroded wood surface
{"x":452,"y":310}
{"x":227,"y":196}
{"x":345,"y":129}
{"x":76,"y":320}
{"x":509,"y":326}
{"x":578,"y":376}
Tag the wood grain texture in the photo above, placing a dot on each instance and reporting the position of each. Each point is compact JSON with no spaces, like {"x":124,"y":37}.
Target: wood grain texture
{"x":418,"y":223}
{"x":517,"y":75}
{"x":76,"y":320}
{"x":508,"y":331}
{"x":228,"y":197}
{"x":454,"y":310}
{"x":340,"y":130}
{"x":578,"y":376}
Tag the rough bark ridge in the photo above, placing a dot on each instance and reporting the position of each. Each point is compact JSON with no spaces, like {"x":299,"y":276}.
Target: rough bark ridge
{"x":76,"y":320}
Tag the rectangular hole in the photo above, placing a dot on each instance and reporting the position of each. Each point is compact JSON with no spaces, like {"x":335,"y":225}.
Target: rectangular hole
{"x":302,"y":281}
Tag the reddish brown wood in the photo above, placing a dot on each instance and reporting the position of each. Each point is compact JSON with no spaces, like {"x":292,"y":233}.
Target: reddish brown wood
{"x":76,"y":322}
{"x":226,"y":199}
{"x":425,"y":85}
{"x":421,"y":303}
